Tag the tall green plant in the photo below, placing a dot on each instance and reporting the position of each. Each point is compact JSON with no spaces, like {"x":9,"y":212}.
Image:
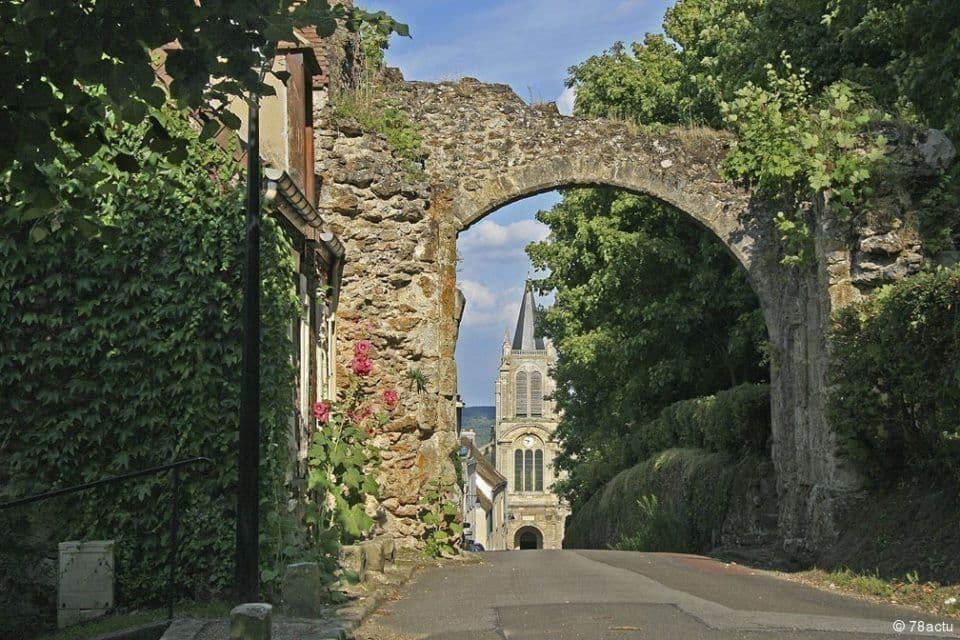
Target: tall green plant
{"x":343,"y":459}
{"x":440,"y":514}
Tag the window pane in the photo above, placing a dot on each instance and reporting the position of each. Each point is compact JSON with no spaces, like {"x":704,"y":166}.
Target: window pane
{"x":536,"y":394}
{"x":518,"y":470}
{"x":522,"y":404}
{"x":528,"y":470}
{"x":538,"y":470}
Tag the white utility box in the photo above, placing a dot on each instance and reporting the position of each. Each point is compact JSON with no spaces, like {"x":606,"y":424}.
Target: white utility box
{"x":86,"y":581}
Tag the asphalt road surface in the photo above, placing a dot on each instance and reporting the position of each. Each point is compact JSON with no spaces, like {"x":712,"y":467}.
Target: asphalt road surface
{"x":622,"y":595}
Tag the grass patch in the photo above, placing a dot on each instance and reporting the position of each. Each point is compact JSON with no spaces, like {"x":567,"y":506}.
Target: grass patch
{"x":122,"y":621}
{"x":908,"y":590}
{"x":377,"y":114}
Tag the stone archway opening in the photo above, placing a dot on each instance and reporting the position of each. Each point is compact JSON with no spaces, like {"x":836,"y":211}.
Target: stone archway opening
{"x":528,"y":538}
{"x":504,"y":449}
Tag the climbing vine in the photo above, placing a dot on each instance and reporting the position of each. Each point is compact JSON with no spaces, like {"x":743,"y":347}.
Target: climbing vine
{"x":122,"y":350}
{"x":793,"y":146}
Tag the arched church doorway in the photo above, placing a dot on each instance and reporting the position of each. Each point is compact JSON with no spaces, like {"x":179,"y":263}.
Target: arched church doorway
{"x":529,"y":538}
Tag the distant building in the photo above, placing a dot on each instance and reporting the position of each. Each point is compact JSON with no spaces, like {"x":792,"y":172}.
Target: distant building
{"x":485,"y":498}
{"x":526,"y":419}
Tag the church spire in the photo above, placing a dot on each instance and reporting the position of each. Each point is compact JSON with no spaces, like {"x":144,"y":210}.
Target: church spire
{"x":525,"y":338}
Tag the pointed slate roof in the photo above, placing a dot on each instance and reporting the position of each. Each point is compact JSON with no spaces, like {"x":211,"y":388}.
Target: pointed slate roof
{"x":525,"y":338}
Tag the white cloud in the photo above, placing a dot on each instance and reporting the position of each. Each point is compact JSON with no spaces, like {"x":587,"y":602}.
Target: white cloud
{"x":488,"y":234}
{"x":565,"y":101}
{"x":489,"y":307}
{"x":478,"y":294}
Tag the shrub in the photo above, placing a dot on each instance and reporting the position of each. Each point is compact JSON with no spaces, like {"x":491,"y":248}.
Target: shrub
{"x":736,"y":421}
{"x":676,"y":500}
{"x":660,"y":528}
{"x":895,"y":379}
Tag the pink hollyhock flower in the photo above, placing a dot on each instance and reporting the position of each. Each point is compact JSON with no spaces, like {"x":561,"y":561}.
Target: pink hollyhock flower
{"x":321,"y":411}
{"x":391,"y":398}
{"x":361,"y":366}
{"x":362,"y":348}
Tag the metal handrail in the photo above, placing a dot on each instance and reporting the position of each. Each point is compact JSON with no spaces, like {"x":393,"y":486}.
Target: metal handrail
{"x":174,"y":507}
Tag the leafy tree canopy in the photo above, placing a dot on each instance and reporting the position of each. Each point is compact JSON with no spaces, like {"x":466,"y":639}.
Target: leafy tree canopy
{"x":64,"y":65}
{"x":649,"y":310}
{"x":905,"y":54}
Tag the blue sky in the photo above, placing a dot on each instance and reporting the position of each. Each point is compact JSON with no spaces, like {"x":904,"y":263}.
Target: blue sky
{"x":528,"y":44}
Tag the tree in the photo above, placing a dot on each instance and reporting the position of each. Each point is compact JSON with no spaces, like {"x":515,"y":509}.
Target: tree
{"x":65,"y":65}
{"x":649,"y":309}
{"x":799,"y":81}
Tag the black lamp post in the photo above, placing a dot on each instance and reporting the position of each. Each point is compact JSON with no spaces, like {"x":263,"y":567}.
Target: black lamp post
{"x":248,"y":490}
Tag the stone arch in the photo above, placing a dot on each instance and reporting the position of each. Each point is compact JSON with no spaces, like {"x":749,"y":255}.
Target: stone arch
{"x":484,"y":147}
{"x":528,"y":538}
{"x":793,"y":307}
{"x":739,"y":225}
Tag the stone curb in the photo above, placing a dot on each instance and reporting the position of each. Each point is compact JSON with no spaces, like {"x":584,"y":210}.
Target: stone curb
{"x":184,"y":629}
{"x":344,"y":620}
{"x":355,"y":613}
{"x":282,"y":629}
{"x":136,"y":633}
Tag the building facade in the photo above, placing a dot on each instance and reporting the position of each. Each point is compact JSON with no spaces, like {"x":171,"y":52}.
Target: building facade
{"x":485,"y":498}
{"x":524,"y":450}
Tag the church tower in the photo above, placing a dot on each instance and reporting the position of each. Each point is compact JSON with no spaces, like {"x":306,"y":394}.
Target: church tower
{"x":525,"y":422}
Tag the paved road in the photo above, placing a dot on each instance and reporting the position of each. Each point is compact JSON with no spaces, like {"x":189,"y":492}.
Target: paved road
{"x":621,"y":595}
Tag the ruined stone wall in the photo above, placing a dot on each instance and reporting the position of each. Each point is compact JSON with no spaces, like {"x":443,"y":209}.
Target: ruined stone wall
{"x":399,"y":289}
{"x":486,"y":148}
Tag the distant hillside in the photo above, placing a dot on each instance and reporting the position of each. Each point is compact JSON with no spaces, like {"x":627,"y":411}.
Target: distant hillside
{"x":480,"y":420}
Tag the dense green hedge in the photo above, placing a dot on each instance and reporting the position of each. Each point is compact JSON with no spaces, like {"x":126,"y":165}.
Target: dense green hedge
{"x":686,"y":495}
{"x":122,"y":351}
{"x":736,"y":421}
{"x":895,"y":376}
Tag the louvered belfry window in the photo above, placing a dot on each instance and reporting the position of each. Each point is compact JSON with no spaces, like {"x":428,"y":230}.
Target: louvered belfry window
{"x":523,"y":400}
{"x":536,"y":394}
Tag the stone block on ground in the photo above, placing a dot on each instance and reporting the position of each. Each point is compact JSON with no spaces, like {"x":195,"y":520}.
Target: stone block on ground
{"x":303,"y":589}
{"x":389,"y":546}
{"x":251,"y":621}
{"x":373,"y":549}
{"x":353,"y":561}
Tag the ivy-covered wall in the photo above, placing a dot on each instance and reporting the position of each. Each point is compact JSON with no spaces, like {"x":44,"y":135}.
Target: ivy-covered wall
{"x":121,"y":351}
{"x":684,"y":500}
{"x":700,"y":475}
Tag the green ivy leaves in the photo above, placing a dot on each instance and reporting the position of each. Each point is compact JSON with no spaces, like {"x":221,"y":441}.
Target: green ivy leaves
{"x":121,"y":350}
{"x":794,"y":146}
{"x":895,"y":380}
{"x":57,"y":83}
